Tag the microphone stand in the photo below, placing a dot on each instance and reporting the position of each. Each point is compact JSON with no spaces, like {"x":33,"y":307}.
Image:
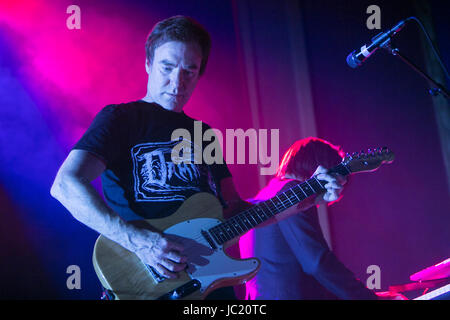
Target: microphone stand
{"x":439,"y":89}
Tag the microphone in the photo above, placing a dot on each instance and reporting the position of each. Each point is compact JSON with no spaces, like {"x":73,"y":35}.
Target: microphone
{"x":357,"y":57}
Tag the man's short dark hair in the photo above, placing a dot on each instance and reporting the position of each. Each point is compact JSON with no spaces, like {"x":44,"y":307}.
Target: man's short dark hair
{"x":179,"y":28}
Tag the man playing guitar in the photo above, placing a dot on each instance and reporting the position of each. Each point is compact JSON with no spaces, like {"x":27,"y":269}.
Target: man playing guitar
{"x":129,"y":146}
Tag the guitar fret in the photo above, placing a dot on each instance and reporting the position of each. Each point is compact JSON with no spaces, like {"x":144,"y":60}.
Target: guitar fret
{"x":246,"y":220}
{"x":215,"y":236}
{"x":218,"y":235}
{"x":228,"y":228}
{"x":293,"y":198}
{"x":312,"y":188}
{"x":301,"y":189}
{"x":237,"y":225}
{"x":317,"y":183}
{"x":232,"y":228}
{"x":270,"y":213}
{"x":226,"y":232}
{"x":273,"y":203}
{"x":256,"y":216}
{"x":308,"y":188}
{"x":249,"y":214}
{"x":281,"y":203}
{"x":223,"y":232}
{"x":261,"y":214}
{"x":295,"y":195}
{"x":288,"y":198}
{"x":280,"y":197}
{"x":270,"y":207}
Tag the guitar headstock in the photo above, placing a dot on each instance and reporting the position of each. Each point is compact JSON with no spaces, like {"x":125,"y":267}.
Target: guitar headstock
{"x":368,"y":161}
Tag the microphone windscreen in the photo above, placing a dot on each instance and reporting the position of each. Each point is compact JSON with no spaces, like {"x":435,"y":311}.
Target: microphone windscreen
{"x":352,"y":61}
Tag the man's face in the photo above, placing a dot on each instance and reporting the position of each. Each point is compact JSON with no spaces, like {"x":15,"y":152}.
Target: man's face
{"x":174,"y":73}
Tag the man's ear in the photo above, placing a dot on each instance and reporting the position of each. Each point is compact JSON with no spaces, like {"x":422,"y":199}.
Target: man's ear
{"x":147,"y":66}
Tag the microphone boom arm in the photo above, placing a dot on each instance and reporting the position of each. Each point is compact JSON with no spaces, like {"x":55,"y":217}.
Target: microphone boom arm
{"x":439,"y":89}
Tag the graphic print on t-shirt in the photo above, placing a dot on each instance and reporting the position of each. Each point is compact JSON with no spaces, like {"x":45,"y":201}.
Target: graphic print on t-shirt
{"x":157,"y":177}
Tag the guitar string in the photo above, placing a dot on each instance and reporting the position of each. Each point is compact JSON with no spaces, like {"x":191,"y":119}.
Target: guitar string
{"x":270,"y":205}
{"x":284,"y":204}
{"x":226,"y":225}
{"x":200,"y":237}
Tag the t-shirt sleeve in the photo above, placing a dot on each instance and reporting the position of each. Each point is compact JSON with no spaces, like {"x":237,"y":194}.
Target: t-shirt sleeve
{"x":104,"y":136}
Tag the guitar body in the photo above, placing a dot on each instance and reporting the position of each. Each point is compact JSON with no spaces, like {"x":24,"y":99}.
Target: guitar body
{"x":209,"y":268}
{"x":199,"y":226}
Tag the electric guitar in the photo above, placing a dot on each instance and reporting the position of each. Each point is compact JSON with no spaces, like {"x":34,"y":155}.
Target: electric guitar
{"x":199,"y":225}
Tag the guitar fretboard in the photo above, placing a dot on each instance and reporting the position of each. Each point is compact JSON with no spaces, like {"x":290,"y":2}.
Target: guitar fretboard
{"x":261,"y":212}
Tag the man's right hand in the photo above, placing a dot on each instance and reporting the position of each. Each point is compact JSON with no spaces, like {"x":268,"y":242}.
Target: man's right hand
{"x":72,"y":187}
{"x":158,"y":251}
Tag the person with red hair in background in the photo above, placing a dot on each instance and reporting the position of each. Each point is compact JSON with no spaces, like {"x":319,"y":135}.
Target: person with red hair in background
{"x":296,"y":262}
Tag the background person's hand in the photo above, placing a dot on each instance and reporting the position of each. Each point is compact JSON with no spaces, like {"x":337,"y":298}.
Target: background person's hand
{"x":334,"y":185}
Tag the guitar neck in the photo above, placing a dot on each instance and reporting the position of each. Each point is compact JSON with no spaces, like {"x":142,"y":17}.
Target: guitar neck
{"x":263,"y":211}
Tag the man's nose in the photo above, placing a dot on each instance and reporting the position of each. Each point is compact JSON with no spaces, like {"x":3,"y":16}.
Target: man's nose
{"x":177,"y":81}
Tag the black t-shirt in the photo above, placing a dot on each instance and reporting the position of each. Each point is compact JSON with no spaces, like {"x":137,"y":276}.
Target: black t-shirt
{"x":141,"y":179}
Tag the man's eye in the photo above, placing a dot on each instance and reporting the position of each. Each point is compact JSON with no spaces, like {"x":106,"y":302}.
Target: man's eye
{"x":167,"y":69}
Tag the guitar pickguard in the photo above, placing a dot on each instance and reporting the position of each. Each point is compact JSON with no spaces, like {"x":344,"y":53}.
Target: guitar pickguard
{"x":207,"y":265}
